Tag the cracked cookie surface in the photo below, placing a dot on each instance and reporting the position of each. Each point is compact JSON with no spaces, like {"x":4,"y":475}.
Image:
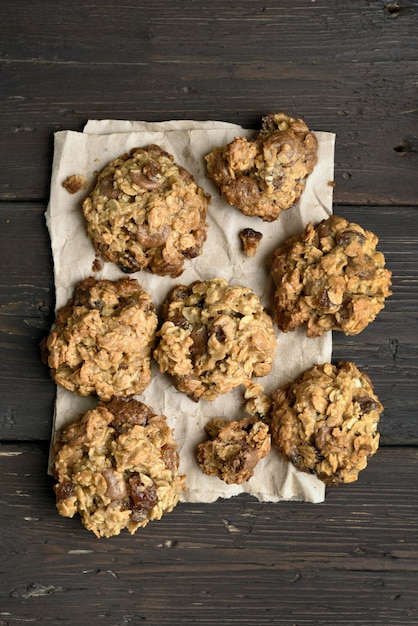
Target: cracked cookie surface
{"x":117,"y":467}
{"x":102,"y":339}
{"x":234,"y":448}
{"x":326,"y":422}
{"x":266,"y":175}
{"x":147,"y":212}
{"x":330,"y":277}
{"x":214,"y":337}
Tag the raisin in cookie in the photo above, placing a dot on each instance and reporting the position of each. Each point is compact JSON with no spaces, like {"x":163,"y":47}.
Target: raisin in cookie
{"x":234,"y":448}
{"x":326,"y":422}
{"x":330,"y":277}
{"x":214,"y":338}
{"x":102,"y":339}
{"x":147,"y":212}
{"x":266,"y":175}
{"x":117,"y":466}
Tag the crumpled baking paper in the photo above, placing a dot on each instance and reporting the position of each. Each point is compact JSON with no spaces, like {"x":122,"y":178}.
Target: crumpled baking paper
{"x":189,"y":141}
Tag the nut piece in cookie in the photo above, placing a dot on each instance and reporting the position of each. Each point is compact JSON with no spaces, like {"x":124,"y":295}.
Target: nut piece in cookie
{"x":266,"y":175}
{"x":234,"y":448}
{"x":117,"y":467}
{"x":214,"y":337}
{"x":147,"y":212}
{"x":102,"y":339}
{"x":325,"y":423}
{"x":330,"y":277}
{"x":250,"y":241}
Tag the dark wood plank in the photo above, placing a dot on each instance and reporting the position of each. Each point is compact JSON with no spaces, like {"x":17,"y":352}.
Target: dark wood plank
{"x":379,"y":24}
{"x":346,"y":67}
{"x":387,"y":349}
{"x":352,"y":560}
{"x":26,"y":314}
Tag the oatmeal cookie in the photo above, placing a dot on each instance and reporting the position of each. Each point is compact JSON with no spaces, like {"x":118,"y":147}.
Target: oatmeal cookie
{"x":147,"y":212}
{"x":102,"y":339}
{"x":330,"y":277}
{"x":234,"y":448}
{"x":326,"y":422}
{"x":266,"y":175}
{"x":117,"y":466}
{"x":214,"y":338}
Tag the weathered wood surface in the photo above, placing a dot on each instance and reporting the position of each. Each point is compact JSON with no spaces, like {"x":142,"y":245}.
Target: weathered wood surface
{"x":346,"y":66}
{"x":350,"y":561}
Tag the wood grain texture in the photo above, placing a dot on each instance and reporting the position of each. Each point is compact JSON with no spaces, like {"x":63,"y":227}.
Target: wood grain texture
{"x":244,"y":562}
{"x":346,"y":66}
{"x":157,"y":60}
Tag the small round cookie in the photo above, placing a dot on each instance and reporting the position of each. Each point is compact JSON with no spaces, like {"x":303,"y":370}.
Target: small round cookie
{"x":214,"y":338}
{"x":325,"y":423}
{"x":266,"y":175}
{"x":147,"y":212}
{"x":102,"y":339}
{"x":234,"y":448}
{"x":330,"y":277}
{"x":117,"y":466}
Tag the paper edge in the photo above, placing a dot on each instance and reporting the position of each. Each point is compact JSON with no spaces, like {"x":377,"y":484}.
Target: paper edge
{"x":164,"y":127}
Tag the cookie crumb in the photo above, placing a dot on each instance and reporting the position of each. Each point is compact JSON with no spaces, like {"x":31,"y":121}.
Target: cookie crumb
{"x":251,"y":240}
{"x":97,"y":264}
{"x":257,"y":402}
{"x":75,"y":183}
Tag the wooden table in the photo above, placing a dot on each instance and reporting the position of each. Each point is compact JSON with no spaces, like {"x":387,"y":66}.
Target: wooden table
{"x":345,"y":66}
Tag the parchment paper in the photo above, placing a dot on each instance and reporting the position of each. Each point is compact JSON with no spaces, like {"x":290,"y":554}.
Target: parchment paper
{"x":87,"y":152}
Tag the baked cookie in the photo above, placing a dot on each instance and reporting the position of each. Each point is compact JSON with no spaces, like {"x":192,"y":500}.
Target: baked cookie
{"x":234,"y":448}
{"x":147,"y":212}
{"x":325,"y":423}
{"x":330,"y":277}
{"x":266,"y":175}
{"x":102,"y":339}
{"x":117,"y":466}
{"x":214,"y":337}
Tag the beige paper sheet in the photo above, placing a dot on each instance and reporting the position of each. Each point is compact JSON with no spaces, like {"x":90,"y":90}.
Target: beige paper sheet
{"x":73,"y":254}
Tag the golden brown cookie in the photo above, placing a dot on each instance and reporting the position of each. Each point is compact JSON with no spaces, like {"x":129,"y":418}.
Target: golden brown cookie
{"x":330,"y":277}
{"x":147,"y":212}
{"x":325,"y":423}
{"x":234,"y":448}
{"x":102,"y":339}
{"x":214,"y":337}
{"x":117,"y":467}
{"x":266,"y":175}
